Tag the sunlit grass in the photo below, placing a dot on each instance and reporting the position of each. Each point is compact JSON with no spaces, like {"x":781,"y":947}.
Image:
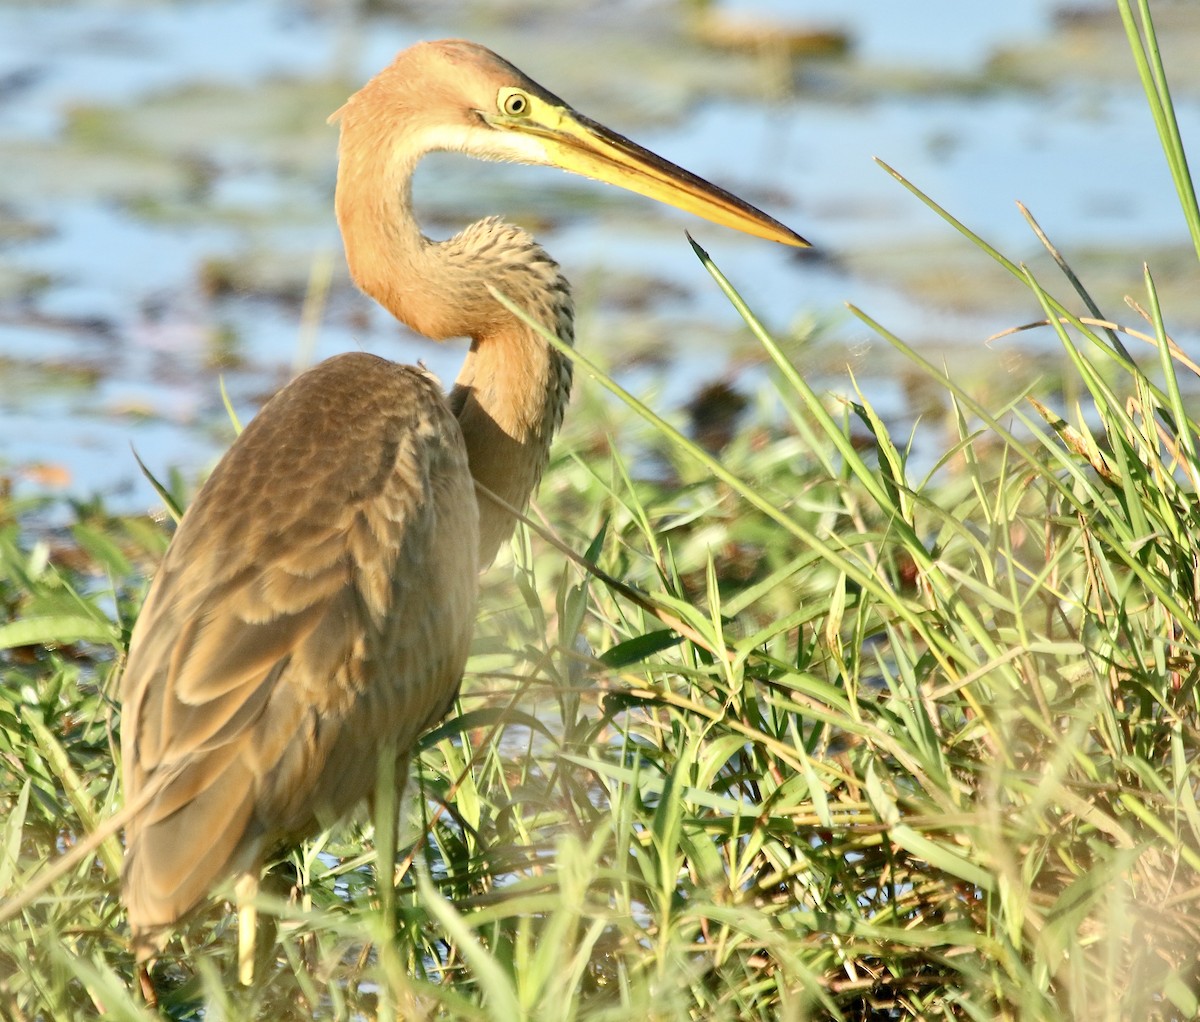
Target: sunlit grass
{"x":868,"y":742}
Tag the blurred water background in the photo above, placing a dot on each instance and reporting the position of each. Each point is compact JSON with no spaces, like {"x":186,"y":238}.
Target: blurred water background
{"x":167,"y":180}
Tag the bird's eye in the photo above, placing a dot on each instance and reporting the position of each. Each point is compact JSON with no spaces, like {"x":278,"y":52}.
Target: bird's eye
{"x":515,"y":104}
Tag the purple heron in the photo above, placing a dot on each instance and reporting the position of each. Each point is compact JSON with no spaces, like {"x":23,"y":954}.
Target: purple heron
{"x":316,"y":603}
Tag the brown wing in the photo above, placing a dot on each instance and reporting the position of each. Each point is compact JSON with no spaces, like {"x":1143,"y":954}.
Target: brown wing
{"x":317,"y":600}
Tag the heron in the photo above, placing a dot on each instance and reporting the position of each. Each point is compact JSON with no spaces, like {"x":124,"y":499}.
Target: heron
{"x":312,"y":614}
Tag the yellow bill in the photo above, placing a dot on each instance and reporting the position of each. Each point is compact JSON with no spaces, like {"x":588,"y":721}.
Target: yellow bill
{"x":578,"y":144}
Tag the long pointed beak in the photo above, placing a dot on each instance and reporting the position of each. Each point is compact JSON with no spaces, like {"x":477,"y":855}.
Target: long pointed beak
{"x":578,"y":144}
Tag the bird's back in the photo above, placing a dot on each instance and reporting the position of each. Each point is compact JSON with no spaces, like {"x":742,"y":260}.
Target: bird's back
{"x":316,"y":602}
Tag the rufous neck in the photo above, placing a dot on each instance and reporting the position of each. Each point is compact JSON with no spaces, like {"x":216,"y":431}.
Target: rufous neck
{"x":513,"y":387}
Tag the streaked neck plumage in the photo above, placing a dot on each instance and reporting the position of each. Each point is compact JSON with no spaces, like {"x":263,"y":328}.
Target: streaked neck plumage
{"x":510,"y":395}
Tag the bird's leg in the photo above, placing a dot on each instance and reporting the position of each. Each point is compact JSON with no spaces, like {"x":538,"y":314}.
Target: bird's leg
{"x":146,"y":985}
{"x":386,"y":811}
{"x":245,"y":891}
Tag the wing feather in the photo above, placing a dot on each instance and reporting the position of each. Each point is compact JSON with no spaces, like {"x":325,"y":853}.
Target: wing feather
{"x":319,"y":596}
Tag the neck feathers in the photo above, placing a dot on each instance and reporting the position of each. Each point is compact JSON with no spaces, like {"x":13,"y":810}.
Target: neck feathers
{"x":510,"y":395}
{"x":513,"y":387}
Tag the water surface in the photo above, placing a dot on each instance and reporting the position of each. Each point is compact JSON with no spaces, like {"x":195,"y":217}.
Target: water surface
{"x":168,"y":186}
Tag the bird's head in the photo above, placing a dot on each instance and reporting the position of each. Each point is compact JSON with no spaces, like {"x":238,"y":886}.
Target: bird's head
{"x":458,"y":96}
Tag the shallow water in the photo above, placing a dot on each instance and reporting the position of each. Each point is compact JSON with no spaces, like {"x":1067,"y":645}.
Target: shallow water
{"x":169,"y":177}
